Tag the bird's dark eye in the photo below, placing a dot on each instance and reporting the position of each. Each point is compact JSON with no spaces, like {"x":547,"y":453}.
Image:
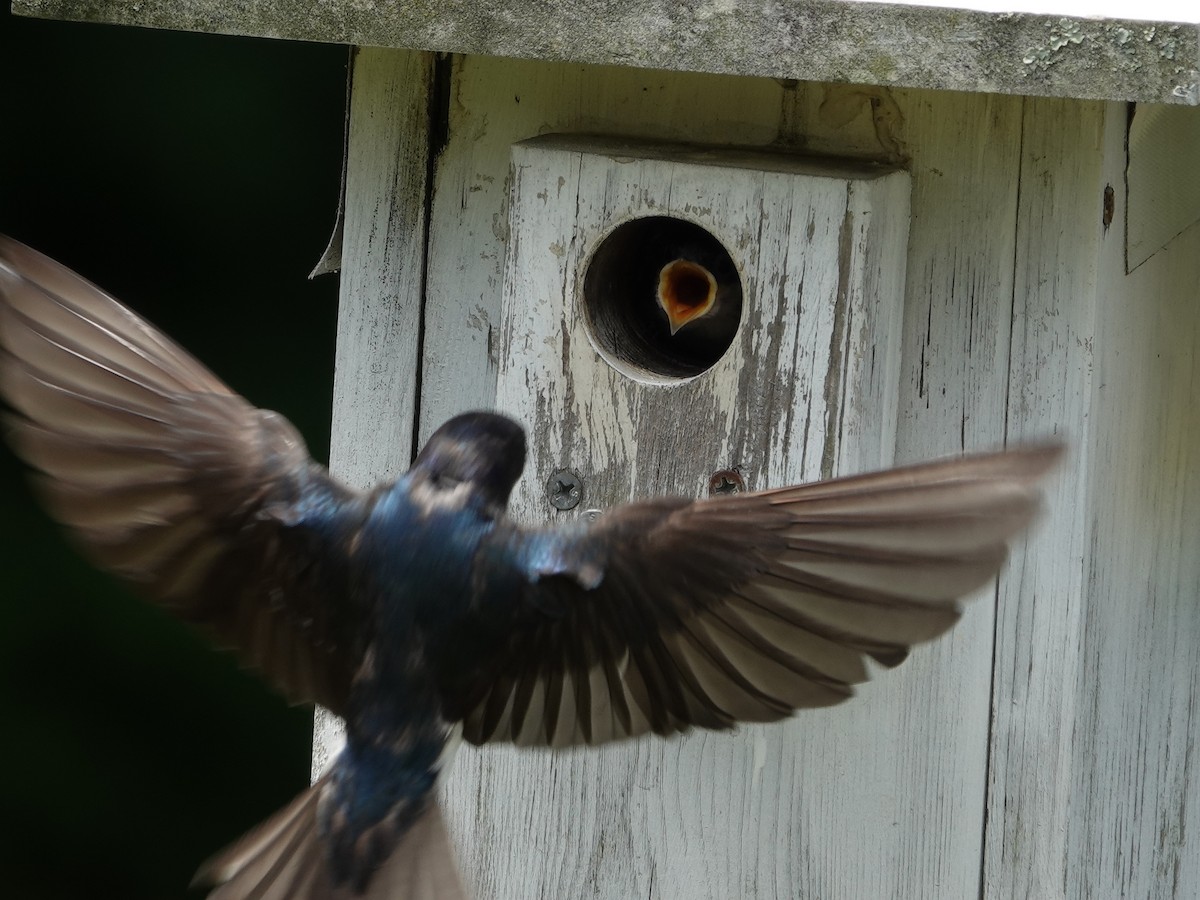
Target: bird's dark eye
{"x":444,"y":482}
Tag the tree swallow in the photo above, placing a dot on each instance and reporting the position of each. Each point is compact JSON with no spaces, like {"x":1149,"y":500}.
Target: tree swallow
{"x":421,"y":614}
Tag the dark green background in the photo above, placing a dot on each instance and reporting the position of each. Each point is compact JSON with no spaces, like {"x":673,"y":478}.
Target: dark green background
{"x":196,"y":178}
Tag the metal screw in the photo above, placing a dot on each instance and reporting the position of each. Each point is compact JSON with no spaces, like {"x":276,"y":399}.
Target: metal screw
{"x":564,"y":489}
{"x":726,"y":481}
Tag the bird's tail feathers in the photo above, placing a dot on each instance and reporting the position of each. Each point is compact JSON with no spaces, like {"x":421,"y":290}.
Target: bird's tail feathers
{"x":283,"y":859}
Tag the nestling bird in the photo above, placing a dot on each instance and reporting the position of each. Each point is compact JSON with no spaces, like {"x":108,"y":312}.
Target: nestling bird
{"x":686,"y":292}
{"x":689,"y":294}
{"x":697,"y":288}
{"x":420,"y":613}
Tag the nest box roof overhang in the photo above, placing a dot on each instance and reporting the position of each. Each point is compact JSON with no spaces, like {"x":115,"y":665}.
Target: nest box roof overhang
{"x":1146,"y":51}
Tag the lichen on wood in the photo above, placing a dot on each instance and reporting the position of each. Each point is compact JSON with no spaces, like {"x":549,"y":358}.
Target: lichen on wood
{"x":817,"y":40}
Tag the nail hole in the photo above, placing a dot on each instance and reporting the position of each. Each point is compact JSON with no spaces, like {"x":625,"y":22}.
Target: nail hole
{"x":662,"y":299}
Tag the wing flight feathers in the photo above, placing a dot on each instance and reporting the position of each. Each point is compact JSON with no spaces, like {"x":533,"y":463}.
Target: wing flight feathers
{"x":168,"y":478}
{"x":745,"y":608}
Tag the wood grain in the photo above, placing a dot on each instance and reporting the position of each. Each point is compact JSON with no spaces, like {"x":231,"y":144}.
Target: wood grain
{"x":1134,"y":828}
{"x":1046,"y":752}
{"x":1094,"y":735}
{"x":379,"y":310}
{"x":820,"y":259}
{"x":933,"y":712}
{"x":965,"y":158}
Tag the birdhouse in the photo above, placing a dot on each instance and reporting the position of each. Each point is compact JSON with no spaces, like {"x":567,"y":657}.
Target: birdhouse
{"x":709,"y":246}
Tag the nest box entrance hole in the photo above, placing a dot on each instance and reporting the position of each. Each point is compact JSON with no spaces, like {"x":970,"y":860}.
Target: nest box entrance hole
{"x":662,"y":299}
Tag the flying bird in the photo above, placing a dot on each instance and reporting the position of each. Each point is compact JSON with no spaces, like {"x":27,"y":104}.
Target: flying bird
{"x":421,"y":614}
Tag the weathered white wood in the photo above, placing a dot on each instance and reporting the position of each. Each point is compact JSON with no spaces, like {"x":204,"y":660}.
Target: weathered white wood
{"x":964,"y":157}
{"x":812,"y":373}
{"x":807,"y":389}
{"x":380,"y":305}
{"x":1097,"y":660}
{"x":1037,"y":677}
{"x":1163,"y":178}
{"x":1135,"y":831}
{"x":375,"y":376}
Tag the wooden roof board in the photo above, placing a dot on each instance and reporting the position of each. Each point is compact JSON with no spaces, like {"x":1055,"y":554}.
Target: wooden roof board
{"x":902,"y":44}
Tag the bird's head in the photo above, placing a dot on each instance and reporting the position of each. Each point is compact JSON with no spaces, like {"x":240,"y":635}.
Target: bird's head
{"x":482,"y":451}
{"x":686,"y":292}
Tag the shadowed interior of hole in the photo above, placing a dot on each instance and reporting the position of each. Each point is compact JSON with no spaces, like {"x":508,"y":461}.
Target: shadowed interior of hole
{"x":626,"y":321}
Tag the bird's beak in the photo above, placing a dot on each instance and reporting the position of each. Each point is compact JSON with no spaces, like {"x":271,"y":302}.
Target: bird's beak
{"x":686,"y":292}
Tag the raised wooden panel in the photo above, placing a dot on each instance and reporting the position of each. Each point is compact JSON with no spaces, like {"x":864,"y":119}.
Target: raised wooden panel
{"x":807,"y":388}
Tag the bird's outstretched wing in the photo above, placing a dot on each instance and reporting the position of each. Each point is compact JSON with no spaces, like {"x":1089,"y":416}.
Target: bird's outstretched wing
{"x":669,"y":614}
{"x":172,"y":481}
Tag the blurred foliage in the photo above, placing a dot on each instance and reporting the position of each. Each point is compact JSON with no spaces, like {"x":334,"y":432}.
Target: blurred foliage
{"x":195,"y":177}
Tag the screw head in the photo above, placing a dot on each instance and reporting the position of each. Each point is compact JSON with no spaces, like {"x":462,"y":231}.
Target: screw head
{"x":726,"y":481}
{"x":564,"y":489}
